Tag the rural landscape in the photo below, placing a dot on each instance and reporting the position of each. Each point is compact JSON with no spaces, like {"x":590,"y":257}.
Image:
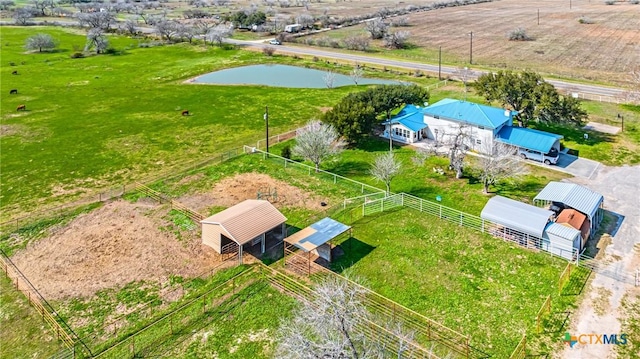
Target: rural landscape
{"x":320,"y":179}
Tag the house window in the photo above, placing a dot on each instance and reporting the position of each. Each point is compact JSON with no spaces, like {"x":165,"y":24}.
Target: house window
{"x":478,"y":142}
{"x":481,"y":127}
{"x":436,"y":116}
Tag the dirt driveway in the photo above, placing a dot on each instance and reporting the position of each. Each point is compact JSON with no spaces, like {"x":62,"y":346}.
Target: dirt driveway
{"x":600,"y":311}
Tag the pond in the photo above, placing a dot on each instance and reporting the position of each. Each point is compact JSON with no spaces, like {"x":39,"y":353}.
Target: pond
{"x":282,"y":76}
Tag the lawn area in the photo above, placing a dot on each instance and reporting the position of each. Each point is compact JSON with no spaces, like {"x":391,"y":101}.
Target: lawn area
{"x":470,"y":282}
{"x":109,"y":119}
{"x":24,"y":334}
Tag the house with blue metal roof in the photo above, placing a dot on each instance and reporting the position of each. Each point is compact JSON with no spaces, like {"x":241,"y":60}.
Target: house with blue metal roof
{"x":407,"y":126}
{"x":481,"y":122}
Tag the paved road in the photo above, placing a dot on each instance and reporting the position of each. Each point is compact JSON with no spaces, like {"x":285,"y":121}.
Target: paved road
{"x":446,"y":70}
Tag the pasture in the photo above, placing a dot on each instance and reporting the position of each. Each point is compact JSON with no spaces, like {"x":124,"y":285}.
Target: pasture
{"x":96,"y":121}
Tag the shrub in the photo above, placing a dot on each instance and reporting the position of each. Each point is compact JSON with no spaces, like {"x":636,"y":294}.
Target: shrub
{"x":519,"y":34}
{"x":77,"y":55}
{"x":286,"y":152}
{"x":585,"y":20}
{"x":610,"y":2}
{"x":268,"y":50}
{"x":634,"y":2}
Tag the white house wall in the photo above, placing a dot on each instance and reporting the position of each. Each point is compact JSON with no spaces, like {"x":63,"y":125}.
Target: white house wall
{"x":447,"y":127}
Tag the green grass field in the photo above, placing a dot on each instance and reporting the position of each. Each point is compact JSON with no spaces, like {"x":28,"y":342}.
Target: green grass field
{"x":470,"y":282}
{"x":108,"y":119}
{"x":24,"y":334}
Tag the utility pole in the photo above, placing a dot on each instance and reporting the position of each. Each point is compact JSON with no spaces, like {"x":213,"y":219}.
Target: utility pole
{"x":440,"y":63}
{"x":471,"y":48}
{"x":266,"y":120}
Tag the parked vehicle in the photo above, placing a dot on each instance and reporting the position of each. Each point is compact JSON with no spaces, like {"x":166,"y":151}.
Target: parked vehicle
{"x":546,"y":158}
{"x":274,"y":42}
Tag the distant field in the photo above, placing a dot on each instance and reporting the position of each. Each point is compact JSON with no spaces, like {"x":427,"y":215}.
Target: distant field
{"x":603,"y":51}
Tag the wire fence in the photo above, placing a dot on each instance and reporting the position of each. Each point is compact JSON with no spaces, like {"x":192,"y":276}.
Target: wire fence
{"x":196,"y":313}
{"x":277,"y":138}
{"x":460,"y":218}
{"x":520,"y":352}
{"x":57,"y":324}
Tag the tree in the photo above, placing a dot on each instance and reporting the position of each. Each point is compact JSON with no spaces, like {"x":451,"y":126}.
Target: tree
{"x":23,"y":15}
{"x":96,"y":20}
{"x":40,"y":42}
{"x":329,"y":79}
{"x":499,"y":166}
{"x":356,"y":74}
{"x":533,"y":98}
{"x":376,"y":27}
{"x":387,"y":98}
{"x":329,"y":325}
{"x":41,"y":6}
{"x":457,"y":141}
{"x":97,"y":39}
{"x":130,"y":26}
{"x":6,"y":4}
{"x":357,"y":42}
{"x":385,"y":168}
{"x":306,"y":20}
{"x":464,"y":74}
{"x":167,"y":29}
{"x":219,"y":33}
{"x":351,"y":117}
{"x":316,"y":142}
{"x":396,"y":40}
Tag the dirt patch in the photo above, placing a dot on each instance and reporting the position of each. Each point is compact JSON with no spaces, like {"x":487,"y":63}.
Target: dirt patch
{"x":113,"y":245}
{"x":230,"y":191}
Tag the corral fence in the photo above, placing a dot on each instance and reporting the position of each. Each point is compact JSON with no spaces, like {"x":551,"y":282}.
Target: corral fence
{"x":277,"y":138}
{"x":384,"y":310}
{"x":57,"y":324}
{"x":520,"y":352}
{"x":545,"y":310}
{"x":189,"y":317}
{"x":175,"y":205}
{"x":311,"y":171}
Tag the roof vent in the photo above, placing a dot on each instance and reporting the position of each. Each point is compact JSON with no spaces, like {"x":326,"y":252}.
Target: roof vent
{"x":507,"y":113}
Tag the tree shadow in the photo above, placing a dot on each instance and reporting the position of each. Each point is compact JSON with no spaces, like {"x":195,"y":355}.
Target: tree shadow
{"x":348,"y":253}
{"x":350,"y":167}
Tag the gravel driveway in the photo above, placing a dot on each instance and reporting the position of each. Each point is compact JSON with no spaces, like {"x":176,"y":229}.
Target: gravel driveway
{"x":600,"y":311}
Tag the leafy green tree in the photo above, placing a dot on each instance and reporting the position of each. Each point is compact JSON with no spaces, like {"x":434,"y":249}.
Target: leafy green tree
{"x":533,"y":98}
{"x":352,"y":118}
{"x":357,"y":113}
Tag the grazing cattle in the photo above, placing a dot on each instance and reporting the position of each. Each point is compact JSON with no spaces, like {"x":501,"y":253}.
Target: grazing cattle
{"x":185,"y":113}
{"x":13,"y":92}
{"x":21,"y":107}
{"x":15,"y":72}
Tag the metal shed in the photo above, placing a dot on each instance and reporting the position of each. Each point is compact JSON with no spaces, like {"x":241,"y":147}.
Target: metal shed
{"x":518,"y":216}
{"x":247,"y":221}
{"x":314,"y":240}
{"x":570,"y":195}
{"x":562,"y":240}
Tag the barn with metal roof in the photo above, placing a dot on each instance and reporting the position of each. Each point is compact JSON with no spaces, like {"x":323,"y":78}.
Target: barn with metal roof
{"x":516,"y":215}
{"x":562,"y":195}
{"x":246,"y":222}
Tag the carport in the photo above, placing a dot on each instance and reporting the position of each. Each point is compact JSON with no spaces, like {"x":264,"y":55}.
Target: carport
{"x":529,"y":139}
{"x":562,"y":195}
{"x":314,"y":241}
